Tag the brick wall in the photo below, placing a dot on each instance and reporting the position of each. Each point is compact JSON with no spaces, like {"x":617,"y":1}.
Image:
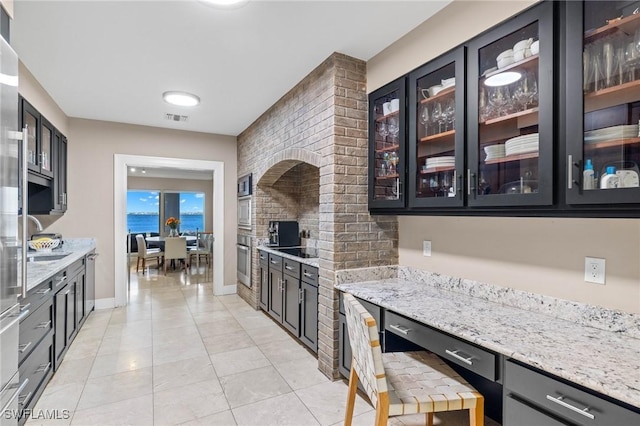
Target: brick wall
{"x":308,"y":156}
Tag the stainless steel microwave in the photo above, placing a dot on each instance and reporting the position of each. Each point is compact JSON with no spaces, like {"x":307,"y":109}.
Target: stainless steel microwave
{"x":244,"y":186}
{"x":244,"y":212}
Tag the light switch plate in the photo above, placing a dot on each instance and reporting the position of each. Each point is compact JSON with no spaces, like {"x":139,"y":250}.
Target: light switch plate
{"x":594,"y":270}
{"x":426,"y":248}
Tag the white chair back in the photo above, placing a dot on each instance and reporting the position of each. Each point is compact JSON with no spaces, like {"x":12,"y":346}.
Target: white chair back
{"x":175,"y":248}
{"x":142,"y":245}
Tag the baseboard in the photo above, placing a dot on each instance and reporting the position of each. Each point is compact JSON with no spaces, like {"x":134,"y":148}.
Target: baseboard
{"x":228,"y":289}
{"x":107,"y":303}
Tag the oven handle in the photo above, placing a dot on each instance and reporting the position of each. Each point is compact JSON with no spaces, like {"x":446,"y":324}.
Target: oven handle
{"x":243,"y":248}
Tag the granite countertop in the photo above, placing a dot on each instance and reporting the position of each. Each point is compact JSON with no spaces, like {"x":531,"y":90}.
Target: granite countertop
{"x":74,"y":248}
{"x":311,"y":261}
{"x":602,"y":360}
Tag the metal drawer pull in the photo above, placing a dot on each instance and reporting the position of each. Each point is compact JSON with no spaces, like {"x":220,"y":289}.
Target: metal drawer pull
{"x":274,"y":262}
{"x":23,"y":307}
{"x":560,"y":401}
{"x":300,"y":296}
{"x":45,"y":290}
{"x":458,"y":357}
{"x":569,"y":171}
{"x":308,"y":275}
{"x":63,"y":279}
{"x":67,"y":292}
{"x":400,"y":329}
{"x":23,"y":398}
{"x":289,"y":268}
{"x":23,"y":347}
{"x":43,"y":367}
{"x":20,"y":389}
{"x":44,"y":324}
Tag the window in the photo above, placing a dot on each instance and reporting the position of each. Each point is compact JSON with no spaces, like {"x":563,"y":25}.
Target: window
{"x":188,"y":206}
{"x":145,"y":216}
{"x":143,"y":211}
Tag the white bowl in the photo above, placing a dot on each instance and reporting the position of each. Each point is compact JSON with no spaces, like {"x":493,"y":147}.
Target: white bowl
{"x":535,"y":47}
{"x":447,"y":82}
{"x":522,"y":44}
{"x":434,"y":90}
{"x":503,"y":62}
{"x":519,"y":55}
{"x":506,"y":53}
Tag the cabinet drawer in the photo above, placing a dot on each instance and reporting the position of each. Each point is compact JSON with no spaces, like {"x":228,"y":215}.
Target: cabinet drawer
{"x":310,"y":274}
{"x":76,"y":267}
{"x":520,"y":414}
{"x":464,"y":354}
{"x":275,"y":262}
{"x":60,"y":280}
{"x":33,"y":328}
{"x":374,"y":310}
{"x":263,"y":257}
{"x":545,"y":392}
{"x":291,"y":267}
{"x":36,"y":367}
{"x":37,"y":296}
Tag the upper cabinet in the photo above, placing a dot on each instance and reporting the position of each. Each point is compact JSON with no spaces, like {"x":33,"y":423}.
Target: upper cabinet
{"x":510,"y":112}
{"x":387,"y":134}
{"x":436,"y":132}
{"x":603,"y":103}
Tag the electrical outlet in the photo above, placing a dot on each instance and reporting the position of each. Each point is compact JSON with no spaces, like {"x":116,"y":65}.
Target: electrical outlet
{"x":426,"y":248}
{"x":594,"y":270}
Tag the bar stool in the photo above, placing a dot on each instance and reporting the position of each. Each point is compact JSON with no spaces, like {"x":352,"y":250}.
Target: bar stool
{"x":402,"y":383}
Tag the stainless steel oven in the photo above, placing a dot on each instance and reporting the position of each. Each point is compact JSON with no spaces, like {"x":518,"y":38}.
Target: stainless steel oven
{"x":244,"y":259}
{"x":244,"y":212}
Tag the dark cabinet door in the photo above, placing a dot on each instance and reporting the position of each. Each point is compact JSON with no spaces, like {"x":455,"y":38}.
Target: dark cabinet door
{"x":60,"y":323}
{"x":436,"y":132}
{"x":291,"y":304}
{"x":387,"y":135}
{"x":80,"y":299}
{"x":510,"y":112}
{"x":602,"y":164}
{"x":275,"y":294}
{"x":71,"y":309}
{"x":60,"y":177}
{"x":90,"y":281}
{"x":264,"y":286}
{"x":309,"y":316}
{"x":30,"y":118}
{"x":46,"y":148}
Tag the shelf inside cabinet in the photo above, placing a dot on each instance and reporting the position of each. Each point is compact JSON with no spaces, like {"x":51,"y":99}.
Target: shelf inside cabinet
{"x":511,"y":158}
{"x":612,"y":143}
{"x":530,"y":64}
{"x":447,"y":136}
{"x":627,"y":25}
{"x":437,"y":169}
{"x":384,"y":117}
{"x":389,"y":148}
{"x":531,"y":113}
{"x":616,"y":95}
{"x":386,"y":177}
{"x":443,"y":93}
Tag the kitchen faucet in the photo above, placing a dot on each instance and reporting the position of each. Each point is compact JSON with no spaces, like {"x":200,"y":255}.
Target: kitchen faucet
{"x":34,"y":220}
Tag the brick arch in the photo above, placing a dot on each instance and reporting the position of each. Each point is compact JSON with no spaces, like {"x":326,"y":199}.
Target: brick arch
{"x":285,"y":160}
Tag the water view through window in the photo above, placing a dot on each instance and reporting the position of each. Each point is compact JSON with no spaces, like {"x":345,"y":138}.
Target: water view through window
{"x":143,"y":210}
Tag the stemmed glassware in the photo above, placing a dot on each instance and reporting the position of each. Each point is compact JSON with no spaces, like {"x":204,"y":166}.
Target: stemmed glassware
{"x":437,"y":117}
{"x":393,"y":128}
{"x":449,"y":114}
{"x":424,"y":119}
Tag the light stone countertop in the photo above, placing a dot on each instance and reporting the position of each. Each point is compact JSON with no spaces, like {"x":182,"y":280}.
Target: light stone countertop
{"x":311,"y":261}
{"x":76,"y":248}
{"x":601,"y":360}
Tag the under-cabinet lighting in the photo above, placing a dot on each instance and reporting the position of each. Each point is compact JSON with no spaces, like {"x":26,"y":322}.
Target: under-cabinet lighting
{"x":503,"y":79}
{"x":181,"y":98}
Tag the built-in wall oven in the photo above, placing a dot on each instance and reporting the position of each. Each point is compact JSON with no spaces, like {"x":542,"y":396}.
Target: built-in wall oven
{"x":244,"y":259}
{"x":244,"y":202}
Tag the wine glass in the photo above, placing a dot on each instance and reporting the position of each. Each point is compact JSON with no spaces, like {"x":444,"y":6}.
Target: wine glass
{"x":424,"y":119}
{"x":436,"y":116}
{"x":393,"y":128}
{"x":533,"y":91}
{"x":450,"y":114}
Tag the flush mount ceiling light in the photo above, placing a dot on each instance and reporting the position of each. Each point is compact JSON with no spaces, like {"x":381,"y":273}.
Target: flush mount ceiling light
{"x":225,"y":4}
{"x":503,"y":79}
{"x":180,"y":98}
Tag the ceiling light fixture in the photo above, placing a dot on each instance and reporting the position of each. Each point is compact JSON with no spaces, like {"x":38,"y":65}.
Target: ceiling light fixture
{"x":503,"y":79}
{"x":225,"y":4}
{"x":144,"y":171}
{"x":181,"y":98}
{"x":133,"y":169}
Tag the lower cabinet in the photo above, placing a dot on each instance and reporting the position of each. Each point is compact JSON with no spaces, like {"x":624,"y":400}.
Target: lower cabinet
{"x":289,"y":293}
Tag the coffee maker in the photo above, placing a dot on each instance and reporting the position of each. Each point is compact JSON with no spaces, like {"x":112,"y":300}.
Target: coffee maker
{"x":284,"y":233}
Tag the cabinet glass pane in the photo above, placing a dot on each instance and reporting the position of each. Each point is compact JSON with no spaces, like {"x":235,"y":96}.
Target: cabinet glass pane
{"x":387,"y":147}
{"x":611,"y":85}
{"x":32,"y":126}
{"x":45,"y":153}
{"x":435,"y":134}
{"x":508,"y":114}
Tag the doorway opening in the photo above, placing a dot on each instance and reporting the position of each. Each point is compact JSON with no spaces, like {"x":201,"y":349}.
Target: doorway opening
{"x":216,"y":204}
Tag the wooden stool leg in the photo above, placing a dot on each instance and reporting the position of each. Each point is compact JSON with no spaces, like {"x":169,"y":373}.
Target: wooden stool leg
{"x":429,"y":419}
{"x":144,"y":265}
{"x":382,"y":409}
{"x":476,"y":415}
{"x":351,"y":396}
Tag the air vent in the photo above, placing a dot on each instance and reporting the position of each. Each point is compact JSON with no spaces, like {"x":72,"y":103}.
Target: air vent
{"x":176,"y":117}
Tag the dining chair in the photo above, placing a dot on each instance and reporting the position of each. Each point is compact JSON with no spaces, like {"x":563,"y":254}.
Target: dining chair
{"x":402,"y":383}
{"x":145,"y":254}
{"x":203,"y":248}
{"x":175,"y":248}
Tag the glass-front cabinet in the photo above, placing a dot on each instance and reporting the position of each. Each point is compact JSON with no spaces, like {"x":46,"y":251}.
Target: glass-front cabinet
{"x":603,"y":102}
{"x":436,"y":132}
{"x":387,"y":107}
{"x":39,"y":140}
{"x":510,"y":112}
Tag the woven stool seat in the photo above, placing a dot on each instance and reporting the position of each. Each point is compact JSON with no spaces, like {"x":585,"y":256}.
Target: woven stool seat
{"x":400,"y":383}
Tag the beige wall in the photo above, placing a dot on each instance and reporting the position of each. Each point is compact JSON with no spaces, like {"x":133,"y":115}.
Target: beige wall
{"x":543,"y":256}
{"x":33,"y":92}
{"x":187,"y":185}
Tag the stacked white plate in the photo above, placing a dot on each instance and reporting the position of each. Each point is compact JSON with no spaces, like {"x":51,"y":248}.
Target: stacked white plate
{"x":494,"y":151}
{"x":444,"y":161}
{"x":522,"y":144}
{"x":611,"y":133}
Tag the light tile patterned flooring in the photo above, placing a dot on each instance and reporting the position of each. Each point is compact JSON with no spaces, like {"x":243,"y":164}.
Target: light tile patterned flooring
{"x":179,"y":355}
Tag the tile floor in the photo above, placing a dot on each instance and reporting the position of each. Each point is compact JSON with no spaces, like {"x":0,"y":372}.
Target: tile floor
{"x":179,"y":355}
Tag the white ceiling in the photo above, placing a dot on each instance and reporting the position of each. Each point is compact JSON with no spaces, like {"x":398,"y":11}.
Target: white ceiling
{"x":112,"y":60}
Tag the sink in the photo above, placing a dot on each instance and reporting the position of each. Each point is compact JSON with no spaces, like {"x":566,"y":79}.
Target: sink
{"x":46,"y":257}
